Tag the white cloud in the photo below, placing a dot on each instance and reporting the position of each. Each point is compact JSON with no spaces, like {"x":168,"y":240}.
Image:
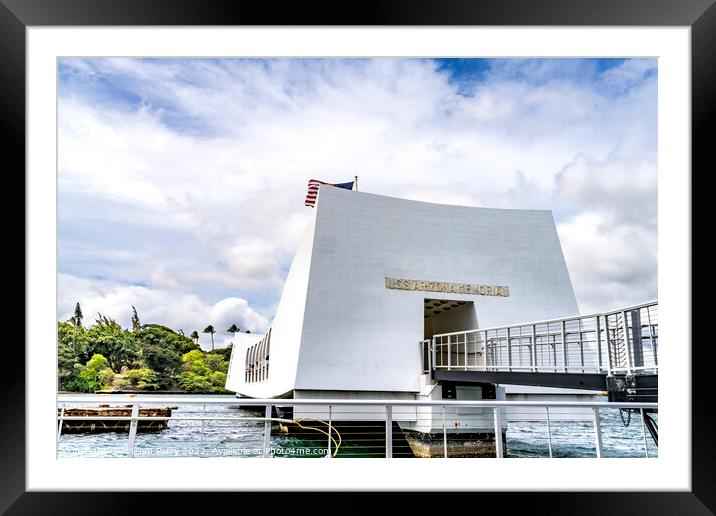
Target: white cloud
{"x":170,"y":308}
{"x":610,"y":265}
{"x":201,"y":182}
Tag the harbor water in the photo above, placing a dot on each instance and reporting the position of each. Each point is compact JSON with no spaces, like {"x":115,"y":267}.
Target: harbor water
{"x":622,"y":436}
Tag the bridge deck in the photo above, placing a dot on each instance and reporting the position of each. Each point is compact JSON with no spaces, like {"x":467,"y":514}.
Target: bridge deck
{"x":580,"y":352}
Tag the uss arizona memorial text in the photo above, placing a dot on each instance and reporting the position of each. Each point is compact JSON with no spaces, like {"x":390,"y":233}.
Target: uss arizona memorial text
{"x":441,"y":286}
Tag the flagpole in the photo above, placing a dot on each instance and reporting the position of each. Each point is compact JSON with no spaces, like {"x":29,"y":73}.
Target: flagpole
{"x":356,"y":183}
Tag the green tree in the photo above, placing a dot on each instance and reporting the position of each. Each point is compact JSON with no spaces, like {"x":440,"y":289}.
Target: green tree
{"x":143,"y":378}
{"x":76,"y":319}
{"x":72,"y":350}
{"x":91,"y":376}
{"x":120,"y":347}
{"x":203,"y":372}
{"x":233,"y":329}
{"x":166,"y":338}
{"x":164,"y":361}
{"x":194,"y":335}
{"x":210,"y":330}
{"x":226,"y":352}
{"x":135,"y":320}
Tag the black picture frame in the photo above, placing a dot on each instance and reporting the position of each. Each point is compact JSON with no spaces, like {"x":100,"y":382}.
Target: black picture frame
{"x":17,"y":15}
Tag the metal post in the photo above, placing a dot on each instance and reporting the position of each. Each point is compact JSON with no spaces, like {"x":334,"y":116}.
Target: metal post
{"x":449,"y":352}
{"x":597,"y":432}
{"x":330,"y":427}
{"x":498,"y":433}
{"x":626,"y":342}
{"x":581,"y":343}
{"x":59,"y":427}
{"x":484,"y":347}
{"x":652,"y":338}
{"x":643,"y":433}
{"x":609,"y":345}
{"x":267,"y":431}
{"x":549,"y":433}
{"x":564,"y":346}
{"x":201,"y":436}
{"x":534,"y":348}
{"x":465,"y":351}
{"x":388,"y":432}
{"x":637,"y":345}
{"x":434,"y":353}
{"x":445,"y":454}
{"x":599,"y":345}
{"x":554,"y":348}
{"x":509,"y":351}
{"x":133,"y":429}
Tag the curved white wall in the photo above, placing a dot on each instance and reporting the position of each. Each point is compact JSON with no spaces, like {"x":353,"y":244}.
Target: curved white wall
{"x":357,"y":335}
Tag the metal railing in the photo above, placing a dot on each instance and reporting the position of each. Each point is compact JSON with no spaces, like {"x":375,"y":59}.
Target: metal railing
{"x":436,"y":418}
{"x":623,"y":341}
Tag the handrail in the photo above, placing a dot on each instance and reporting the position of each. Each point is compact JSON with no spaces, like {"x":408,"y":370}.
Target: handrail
{"x":611,"y":342}
{"x":496,"y":406}
{"x":550,"y":321}
{"x":280,"y":402}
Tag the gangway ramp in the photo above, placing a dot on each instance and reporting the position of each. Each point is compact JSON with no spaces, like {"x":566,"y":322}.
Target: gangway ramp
{"x":615,"y":351}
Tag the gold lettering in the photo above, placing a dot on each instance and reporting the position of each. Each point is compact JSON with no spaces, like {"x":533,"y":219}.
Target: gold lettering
{"x":442,"y":286}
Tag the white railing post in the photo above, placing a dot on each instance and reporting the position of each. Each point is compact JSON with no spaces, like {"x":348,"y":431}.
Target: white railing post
{"x":434,"y":353}
{"x":643,"y":432}
{"x":133,"y":424}
{"x":330,"y":427}
{"x":564,"y":346}
{"x":449,"y":364}
{"x":498,"y":433}
{"x":581,"y":343}
{"x":610,"y":345}
{"x":597,"y":432}
{"x":534,"y":347}
{"x":652,"y":338}
{"x":388,"y":432}
{"x":484,"y":348}
{"x":59,"y":428}
{"x":465,"y":351}
{"x":626,"y":342}
{"x":267,"y":432}
{"x":509,"y":351}
{"x":599,"y":344}
{"x":445,"y":447}
{"x":549,"y":433}
{"x":201,"y":436}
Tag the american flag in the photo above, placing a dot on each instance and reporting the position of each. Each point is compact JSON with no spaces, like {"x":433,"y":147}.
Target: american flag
{"x":313,"y":185}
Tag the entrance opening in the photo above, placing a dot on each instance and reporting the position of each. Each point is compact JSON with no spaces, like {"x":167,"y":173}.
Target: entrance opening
{"x":447,"y":316}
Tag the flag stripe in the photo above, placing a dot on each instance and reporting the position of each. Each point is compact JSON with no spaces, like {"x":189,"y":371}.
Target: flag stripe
{"x":313,"y":187}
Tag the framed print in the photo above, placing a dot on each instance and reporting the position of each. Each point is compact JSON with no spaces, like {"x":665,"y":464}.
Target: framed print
{"x":230,"y":206}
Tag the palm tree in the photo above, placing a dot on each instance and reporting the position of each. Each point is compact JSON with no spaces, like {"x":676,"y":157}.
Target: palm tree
{"x":210,"y":330}
{"x":233,"y":329}
{"x":194,"y":335}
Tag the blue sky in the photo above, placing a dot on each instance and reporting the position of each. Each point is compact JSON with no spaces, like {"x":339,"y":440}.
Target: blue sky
{"x":181,"y":181}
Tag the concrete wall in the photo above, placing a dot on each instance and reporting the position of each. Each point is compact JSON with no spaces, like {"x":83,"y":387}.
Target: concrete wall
{"x":286,"y":330}
{"x":356,"y":334}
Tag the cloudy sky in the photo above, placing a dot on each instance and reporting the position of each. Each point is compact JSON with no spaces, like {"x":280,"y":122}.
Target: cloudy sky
{"x":182,"y":181}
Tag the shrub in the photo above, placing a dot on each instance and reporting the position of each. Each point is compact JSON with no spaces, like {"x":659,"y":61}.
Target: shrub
{"x":143,"y":378}
{"x":193,"y":382}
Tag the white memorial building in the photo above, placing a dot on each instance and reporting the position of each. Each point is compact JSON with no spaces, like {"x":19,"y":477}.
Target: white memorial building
{"x":375,"y":275}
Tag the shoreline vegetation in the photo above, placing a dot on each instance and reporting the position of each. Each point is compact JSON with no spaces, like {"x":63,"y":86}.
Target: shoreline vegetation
{"x":148,"y":358}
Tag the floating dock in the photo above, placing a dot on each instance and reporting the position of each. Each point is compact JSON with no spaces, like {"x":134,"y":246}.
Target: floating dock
{"x":97,"y":424}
